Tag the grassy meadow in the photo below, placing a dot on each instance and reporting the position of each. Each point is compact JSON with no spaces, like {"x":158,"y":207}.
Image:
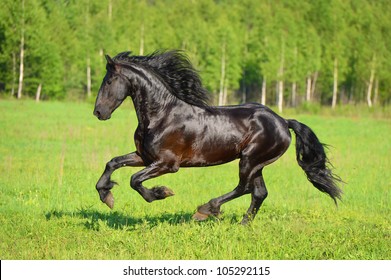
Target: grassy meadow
{"x":52,"y":154}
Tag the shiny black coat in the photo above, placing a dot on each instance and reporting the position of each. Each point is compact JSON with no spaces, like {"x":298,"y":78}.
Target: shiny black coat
{"x":176,"y":128}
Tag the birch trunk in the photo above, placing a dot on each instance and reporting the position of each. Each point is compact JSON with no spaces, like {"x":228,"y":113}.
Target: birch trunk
{"x":263,"y":94}
{"x":370,"y":85}
{"x":38,"y":93}
{"x":335,"y":85}
{"x":21,"y":66}
{"x":371,"y":81}
{"x":280,"y":95}
{"x":222,"y":77}
{"x":308,"y":90}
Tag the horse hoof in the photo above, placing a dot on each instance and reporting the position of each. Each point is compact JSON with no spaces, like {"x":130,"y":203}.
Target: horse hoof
{"x":162,"y":192}
{"x":109,"y":200}
{"x":198,"y":216}
{"x":168,"y":192}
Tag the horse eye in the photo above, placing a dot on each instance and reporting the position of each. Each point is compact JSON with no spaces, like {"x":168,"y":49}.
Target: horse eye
{"x":109,"y":82}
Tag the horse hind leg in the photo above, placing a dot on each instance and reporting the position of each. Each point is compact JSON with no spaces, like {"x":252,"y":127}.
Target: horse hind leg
{"x":258,"y":195}
{"x":212,"y":208}
{"x":259,"y":191}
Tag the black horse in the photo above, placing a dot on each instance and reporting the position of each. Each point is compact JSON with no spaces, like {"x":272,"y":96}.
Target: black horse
{"x":176,"y":128}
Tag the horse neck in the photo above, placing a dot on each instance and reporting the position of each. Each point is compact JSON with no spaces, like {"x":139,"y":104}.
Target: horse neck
{"x":151,"y":100}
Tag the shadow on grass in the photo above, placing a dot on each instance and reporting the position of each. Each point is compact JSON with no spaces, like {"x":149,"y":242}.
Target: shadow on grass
{"x":115,"y":220}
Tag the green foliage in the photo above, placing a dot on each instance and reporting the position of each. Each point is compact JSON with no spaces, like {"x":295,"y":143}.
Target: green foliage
{"x":273,"y":40}
{"x":49,"y":208}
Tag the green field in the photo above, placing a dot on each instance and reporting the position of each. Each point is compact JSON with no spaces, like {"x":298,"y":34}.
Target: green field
{"x":52,"y":154}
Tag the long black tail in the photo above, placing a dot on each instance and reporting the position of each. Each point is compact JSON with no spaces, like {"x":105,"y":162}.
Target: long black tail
{"x":312,"y":159}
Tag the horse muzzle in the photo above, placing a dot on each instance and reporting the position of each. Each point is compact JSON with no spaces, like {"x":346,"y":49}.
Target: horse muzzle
{"x":102,"y":116}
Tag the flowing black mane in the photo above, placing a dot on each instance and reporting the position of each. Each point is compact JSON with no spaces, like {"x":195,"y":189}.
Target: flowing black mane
{"x":174,"y":69}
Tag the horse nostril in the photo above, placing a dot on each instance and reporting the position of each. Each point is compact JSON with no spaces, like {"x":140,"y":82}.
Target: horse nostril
{"x":97,"y":113}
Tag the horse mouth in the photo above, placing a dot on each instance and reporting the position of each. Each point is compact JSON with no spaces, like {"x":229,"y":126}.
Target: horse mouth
{"x":100,"y":116}
{"x":104,"y":119}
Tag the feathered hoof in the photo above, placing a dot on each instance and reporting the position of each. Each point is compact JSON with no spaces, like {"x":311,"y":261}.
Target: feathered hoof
{"x":109,"y":200}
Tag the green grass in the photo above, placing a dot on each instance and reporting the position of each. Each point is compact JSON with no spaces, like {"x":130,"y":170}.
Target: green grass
{"x":52,"y":154}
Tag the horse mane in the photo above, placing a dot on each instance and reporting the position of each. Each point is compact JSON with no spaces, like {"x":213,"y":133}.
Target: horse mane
{"x":175,"y":70}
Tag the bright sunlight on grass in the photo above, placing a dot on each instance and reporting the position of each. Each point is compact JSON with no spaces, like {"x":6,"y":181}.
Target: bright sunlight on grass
{"x":52,"y":154}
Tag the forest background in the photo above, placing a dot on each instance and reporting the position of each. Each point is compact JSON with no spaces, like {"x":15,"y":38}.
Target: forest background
{"x":280,"y":53}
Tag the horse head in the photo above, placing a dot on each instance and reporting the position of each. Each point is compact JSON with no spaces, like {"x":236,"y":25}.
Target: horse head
{"x":113,"y":90}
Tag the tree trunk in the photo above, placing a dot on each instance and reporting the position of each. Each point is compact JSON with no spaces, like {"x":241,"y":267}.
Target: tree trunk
{"x":335,"y":85}
{"x":21,"y":66}
{"x":370,"y":85}
{"x":88,"y":77}
{"x":371,"y":80}
{"x":222,"y":77}
{"x":263,"y":94}
{"x":38,"y":93}
{"x":280,"y":95}
{"x":308,"y":90}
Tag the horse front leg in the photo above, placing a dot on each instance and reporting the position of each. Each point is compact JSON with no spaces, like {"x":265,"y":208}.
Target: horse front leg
{"x":105,"y":184}
{"x":154,"y":170}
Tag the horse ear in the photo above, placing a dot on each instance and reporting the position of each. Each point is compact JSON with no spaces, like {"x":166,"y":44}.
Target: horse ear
{"x":110,"y":61}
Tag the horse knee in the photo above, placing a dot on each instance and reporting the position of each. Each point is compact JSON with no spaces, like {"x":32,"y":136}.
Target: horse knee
{"x":260,"y":193}
{"x":134,"y":182}
{"x":111,"y":165}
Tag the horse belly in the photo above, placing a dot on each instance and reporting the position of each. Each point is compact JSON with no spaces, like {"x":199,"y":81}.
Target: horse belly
{"x":208,"y":153}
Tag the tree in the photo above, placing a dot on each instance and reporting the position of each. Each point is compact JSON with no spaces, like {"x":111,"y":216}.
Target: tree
{"x":12,"y":44}
{"x":273,"y":52}
{"x":330,"y":20}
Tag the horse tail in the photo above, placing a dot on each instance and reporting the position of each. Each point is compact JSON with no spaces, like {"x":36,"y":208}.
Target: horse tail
{"x":311,"y":157}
